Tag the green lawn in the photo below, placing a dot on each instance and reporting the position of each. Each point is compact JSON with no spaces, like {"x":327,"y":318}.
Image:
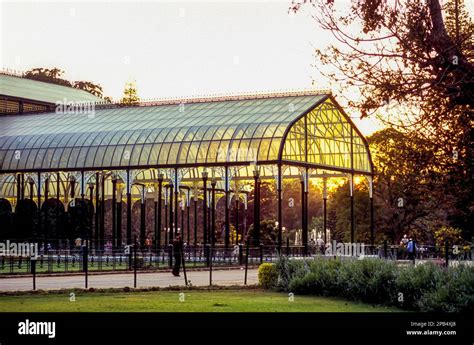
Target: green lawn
{"x":194,"y":300}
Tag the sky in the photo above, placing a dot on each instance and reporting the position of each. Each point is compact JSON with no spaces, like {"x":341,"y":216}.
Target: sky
{"x":169,"y":48}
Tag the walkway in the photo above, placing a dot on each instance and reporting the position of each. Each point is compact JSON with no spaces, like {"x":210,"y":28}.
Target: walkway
{"x":161,"y":279}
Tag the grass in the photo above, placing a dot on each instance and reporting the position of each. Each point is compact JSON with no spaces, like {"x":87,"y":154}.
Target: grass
{"x":255,"y":300}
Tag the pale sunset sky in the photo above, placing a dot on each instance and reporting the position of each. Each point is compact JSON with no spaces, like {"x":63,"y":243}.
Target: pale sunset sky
{"x":170,"y":48}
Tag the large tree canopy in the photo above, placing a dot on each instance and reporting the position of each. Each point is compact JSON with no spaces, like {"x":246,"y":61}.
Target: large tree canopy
{"x":415,"y":60}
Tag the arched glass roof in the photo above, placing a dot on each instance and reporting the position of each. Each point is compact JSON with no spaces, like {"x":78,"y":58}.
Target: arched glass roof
{"x":300,"y":128}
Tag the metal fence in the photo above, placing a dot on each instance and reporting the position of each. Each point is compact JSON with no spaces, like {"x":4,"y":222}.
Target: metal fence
{"x":79,"y":259}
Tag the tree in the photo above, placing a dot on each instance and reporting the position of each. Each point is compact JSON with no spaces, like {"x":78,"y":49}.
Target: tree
{"x":340,"y":217}
{"x":90,"y":87}
{"x":409,"y":195}
{"x":405,"y":55}
{"x":130,"y":95}
{"x":53,"y":76}
{"x":268,"y":232}
{"x":459,"y":26}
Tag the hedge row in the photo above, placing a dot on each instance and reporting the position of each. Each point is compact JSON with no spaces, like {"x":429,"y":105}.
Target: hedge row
{"x":426,"y":287}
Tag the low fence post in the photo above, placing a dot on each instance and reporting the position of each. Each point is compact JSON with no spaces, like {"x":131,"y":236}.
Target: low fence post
{"x":210,"y":263}
{"x":85,"y":263}
{"x":385,"y":249}
{"x":33,"y":271}
{"x":287,"y":246}
{"x":247,"y":250}
{"x":135,"y":263}
{"x":183,"y":259}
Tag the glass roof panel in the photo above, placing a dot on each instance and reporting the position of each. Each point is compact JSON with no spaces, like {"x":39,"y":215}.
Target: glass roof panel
{"x":187,"y":132}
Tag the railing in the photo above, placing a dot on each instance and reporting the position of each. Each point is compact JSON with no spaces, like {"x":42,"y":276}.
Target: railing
{"x":67,"y":259}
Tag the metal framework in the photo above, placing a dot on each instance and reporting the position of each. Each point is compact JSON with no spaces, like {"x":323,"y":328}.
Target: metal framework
{"x":178,"y":149}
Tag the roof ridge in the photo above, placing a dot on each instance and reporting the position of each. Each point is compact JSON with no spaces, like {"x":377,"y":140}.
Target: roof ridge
{"x":220,"y":97}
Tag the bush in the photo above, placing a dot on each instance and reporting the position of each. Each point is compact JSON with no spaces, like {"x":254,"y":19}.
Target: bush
{"x":368,"y":280}
{"x":455,"y":293}
{"x":267,"y":275}
{"x":425,"y":287}
{"x":414,"y":282}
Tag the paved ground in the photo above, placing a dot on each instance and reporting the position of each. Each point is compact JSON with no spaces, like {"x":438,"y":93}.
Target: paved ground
{"x":161,"y":279}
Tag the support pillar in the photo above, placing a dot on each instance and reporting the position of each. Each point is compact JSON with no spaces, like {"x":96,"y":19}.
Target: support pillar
{"x":91,"y":199}
{"x":176,"y":201}
{"x":119,"y":218}
{"x":256,"y":209}
{"x":195,"y":199}
{"x":280,"y":218}
{"x":32,"y":193}
{"x":372,"y":222}
{"x":46,"y":197}
{"x":143,"y":216}
{"x":22,"y":186}
{"x":129,"y":208}
{"x":102,"y":212}
{"x":97,"y":210}
{"x":227,"y":201}
{"x":83,"y":191}
{"x":204,"y":207}
{"x":188,"y":221}
{"x":304,"y":226}
{"x":182,"y":219}
{"x":18,"y":189}
{"x":351,"y":190}
{"x":236,"y":219}
{"x":158,"y":213}
{"x":213,"y":212}
{"x":325,"y":199}
{"x":171,"y":215}
{"x":39,"y":203}
{"x":72,"y":181}
{"x":166,"y":217}
{"x":114,"y":212}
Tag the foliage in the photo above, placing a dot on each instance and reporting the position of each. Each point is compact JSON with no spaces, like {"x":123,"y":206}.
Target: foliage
{"x":130,"y":94}
{"x":415,"y":282}
{"x":405,"y":173}
{"x":413,"y":63}
{"x":452,"y":235}
{"x":455,"y":293}
{"x":53,"y":76}
{"x":424,"y":287}
{"x":267,"y":275}
{"x":339,"y":211}
{"x":268,"y":232}
{"x":90,"y":87}
{"x":233,"y":235}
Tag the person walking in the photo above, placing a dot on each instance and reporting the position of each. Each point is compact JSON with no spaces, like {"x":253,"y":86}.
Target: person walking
{"x":412,"y":249}
{"x":177,"y":250}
